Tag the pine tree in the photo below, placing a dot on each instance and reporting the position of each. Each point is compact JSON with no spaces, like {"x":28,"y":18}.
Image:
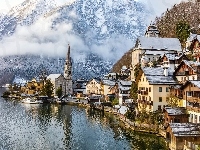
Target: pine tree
{"x":182,"y":32}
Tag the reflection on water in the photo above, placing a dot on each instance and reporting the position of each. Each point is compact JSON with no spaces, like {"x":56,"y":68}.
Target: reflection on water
{"x":36,"y":126}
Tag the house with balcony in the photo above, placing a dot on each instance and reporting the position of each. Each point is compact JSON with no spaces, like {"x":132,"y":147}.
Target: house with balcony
{"x":124,"y":90}
{"x":154,"y":88}
{"x":187,"y":70}
{"x":172,"y":59}
{"x":183,"y":136}
{"x":152,"y":47}
{"x":93,"y":87}
{"x":191,"y":93}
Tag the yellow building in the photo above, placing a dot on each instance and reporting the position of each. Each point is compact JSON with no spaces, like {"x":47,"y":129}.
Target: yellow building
{"x":154,"y":88}
{"x":32,"y":87}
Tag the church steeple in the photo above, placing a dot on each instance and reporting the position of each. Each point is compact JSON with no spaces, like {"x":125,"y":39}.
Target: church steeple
{"x":68,"y":66}
{"x":152,"y":31}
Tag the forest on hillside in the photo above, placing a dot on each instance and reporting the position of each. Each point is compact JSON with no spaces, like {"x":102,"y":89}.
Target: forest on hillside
{"x":188,"y":12}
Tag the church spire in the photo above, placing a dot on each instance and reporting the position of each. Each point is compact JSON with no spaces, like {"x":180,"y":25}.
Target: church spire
{"x":68,"y":53}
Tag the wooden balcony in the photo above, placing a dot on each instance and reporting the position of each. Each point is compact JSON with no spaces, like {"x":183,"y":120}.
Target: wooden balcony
{"x":195,"y":109}
{"x":193,"y":99}
{"x":144,"y":92}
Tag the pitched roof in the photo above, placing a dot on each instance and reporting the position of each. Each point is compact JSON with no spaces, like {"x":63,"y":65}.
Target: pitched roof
{"x":53,"y":76}
{"x":128,"y":83}
{"x":109,"y":82}
{"x":185,"y":129}
{"x":175,"y":110}
{"x":195,"y":82}
{"x":156,"y":76}
{"x":160,"y":43}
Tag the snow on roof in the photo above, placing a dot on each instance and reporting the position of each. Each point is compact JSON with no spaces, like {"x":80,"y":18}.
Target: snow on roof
{"x":109,"y":82}
{"x":53,"y":76}
{"x":157,"y":71}
{"x":122,"y":88}
{"x":160,"y":43}
{"x":175,"y":110}
{"x":196,"y":83}
{"x":122,"y":82}
{"x":156,"y":76}
{"x":193,"y":36}
{"x":185,"y":129}
{"x":155,"y":52}
{"x":124,"y":68}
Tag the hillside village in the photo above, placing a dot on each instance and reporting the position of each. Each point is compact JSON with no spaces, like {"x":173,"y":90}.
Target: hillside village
{"x":161,"y":79}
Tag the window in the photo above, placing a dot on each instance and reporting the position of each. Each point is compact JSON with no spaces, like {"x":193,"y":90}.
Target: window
{"x":149,"y":98}
{"x":167,"y":99}
{"x":160,"y":89}
{"x":199,"y":119}
{"x":167,"y":89}
{"x":149,"y":89}
{"x":189,"y":93}
{"x":143,"y":79}
{"x":160,"y":99}
{"x":159,"y":107}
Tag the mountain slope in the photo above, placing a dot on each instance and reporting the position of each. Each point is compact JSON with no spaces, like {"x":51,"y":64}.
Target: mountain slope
{"x":99,"y":32}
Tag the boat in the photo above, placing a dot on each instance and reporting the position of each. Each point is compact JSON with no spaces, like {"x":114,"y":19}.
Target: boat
{"x":29,"y":100}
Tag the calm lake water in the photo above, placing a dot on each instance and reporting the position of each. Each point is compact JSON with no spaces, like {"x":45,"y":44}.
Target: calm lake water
{"x":56,"y":127}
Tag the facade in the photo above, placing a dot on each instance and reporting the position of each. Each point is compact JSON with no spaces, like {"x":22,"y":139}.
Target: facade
{"x":154,"y":88}
{"x":152,"y":47}
{"x":183,"y":136}
{"x":32,"y":87}
{"x":79,"y":88}
{"x":68,"y":73}
{"x":191,"y":93}
{"x":111,"y":76}
{"x":94,"y":87}
{"x":58,"y":81}
{"x":124,"y":90}
{"x":187,"y":70}
{"x":175,"y":115}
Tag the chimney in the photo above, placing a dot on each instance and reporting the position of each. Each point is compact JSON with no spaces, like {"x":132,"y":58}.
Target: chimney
{"x":166,"y":72}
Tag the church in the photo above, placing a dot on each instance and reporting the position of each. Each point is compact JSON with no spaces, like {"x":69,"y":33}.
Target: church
{"x":63,"y":81}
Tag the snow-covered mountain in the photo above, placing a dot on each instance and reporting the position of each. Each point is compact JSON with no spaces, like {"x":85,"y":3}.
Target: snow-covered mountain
{"x":99,"y":33}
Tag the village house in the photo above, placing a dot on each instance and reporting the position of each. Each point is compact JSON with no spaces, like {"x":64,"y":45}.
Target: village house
{"x":79,"y":87}
{"x":175,"y":115}
{"x":94,"y":87}
{"x":191,"y":93}
{"x":124,"y":90}
{"x":183,"y":136}
{"x":106,"y":88}
{"x":154,"y":88}
{"x":152,"y":47}
{"x":111,"y":76}
{"x":58,"y":81}
{"x":32,"y":87}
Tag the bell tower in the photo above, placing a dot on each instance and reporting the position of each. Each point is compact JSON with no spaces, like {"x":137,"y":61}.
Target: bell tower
{"x":68,"y":73}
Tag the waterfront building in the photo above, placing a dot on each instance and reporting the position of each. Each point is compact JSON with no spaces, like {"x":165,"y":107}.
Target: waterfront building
{"x":183,"y":136}
{"x":58,"y":81}
{"x":154,"y":88}
{"x":94,"y":87}
{"x":32,"y":87}
{"x":152,"y":47}
{"x":191,"y":94}
{"x":79,"y":87}
{"x":107,"y":88}
{"x":124,"y":90}
{"x":68,"y":73}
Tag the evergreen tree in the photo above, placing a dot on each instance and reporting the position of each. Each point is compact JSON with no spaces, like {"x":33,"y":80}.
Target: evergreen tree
{"x":182,"y":32}
{"x":59,"y":92}
{"x":47,"y":89}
